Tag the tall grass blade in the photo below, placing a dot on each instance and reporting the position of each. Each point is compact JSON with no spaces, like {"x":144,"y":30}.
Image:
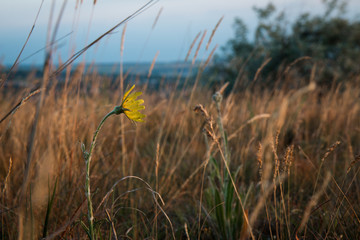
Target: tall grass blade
{"x":229,"y":193}
{"x":48,"y":209}
{"x":219,"y":212}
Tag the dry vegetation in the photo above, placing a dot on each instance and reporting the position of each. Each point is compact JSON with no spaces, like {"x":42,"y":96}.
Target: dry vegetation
{"x":293,"y":155}
{"x":304,"y":136}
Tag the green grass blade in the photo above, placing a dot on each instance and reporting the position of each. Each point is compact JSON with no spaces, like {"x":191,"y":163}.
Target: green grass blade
{"x":48,"y":210}
{"x":219,"y":212}
{"x":86,"y":229}
{"x":229,"y":193}
{"x":216,"y":166}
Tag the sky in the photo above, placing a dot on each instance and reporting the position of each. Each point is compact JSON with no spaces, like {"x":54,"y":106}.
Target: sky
{"x":177,"y":25}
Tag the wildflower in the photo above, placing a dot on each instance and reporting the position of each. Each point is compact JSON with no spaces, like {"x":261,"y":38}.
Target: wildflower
{"x":131,"y":105}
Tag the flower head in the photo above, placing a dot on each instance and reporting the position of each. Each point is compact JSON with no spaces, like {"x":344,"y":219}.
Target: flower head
{"x":130,"y":105}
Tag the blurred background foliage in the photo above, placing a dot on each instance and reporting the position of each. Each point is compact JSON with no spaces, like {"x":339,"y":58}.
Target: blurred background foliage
{"x":330,"y":39}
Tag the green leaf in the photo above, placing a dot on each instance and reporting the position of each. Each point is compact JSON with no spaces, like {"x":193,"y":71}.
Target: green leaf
{"x":250,"y":188}
{"x":229,"y":193}
{"x":48,"y":210}
{"x":238,"y":221}
{"x":219,"y":212}
{"x":227,"y":152}
{"x":216,"y":166}
{"x":86,"y":229}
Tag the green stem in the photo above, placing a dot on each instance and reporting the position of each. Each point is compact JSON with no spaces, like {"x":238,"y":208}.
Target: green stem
{"x":87,"y":180}
{"x":223,"y":135}
{"x":221,"y":129}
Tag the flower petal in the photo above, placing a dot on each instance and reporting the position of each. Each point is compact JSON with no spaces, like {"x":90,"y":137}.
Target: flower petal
{"x":135,"y":116}
{"x":134,"y":95}
{"x":131,"y":105}
{"x":127,"y":93}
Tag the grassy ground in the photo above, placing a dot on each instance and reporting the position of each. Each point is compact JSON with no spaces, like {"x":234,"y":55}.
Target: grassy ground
{"x":292,"y":154}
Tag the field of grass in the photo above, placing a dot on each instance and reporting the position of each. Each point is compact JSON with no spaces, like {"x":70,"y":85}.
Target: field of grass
{"x":292,"y":154}
{"x":256,"y":163}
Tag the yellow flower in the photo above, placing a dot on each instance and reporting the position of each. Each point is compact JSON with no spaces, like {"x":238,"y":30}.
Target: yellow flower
{"x":131,"y":105}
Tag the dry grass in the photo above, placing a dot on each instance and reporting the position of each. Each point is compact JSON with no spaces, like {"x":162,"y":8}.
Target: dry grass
{"x":293,"y":154}
{"x":168,"y":152}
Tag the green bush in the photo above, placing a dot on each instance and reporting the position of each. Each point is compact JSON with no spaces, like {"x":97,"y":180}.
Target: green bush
{"x":330,"y":39}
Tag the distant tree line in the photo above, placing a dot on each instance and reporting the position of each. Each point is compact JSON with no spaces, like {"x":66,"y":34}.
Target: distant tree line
{"x":330,"y":39}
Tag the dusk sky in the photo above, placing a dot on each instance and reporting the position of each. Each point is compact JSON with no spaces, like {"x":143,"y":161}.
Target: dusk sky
{"x":179,"y":22}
